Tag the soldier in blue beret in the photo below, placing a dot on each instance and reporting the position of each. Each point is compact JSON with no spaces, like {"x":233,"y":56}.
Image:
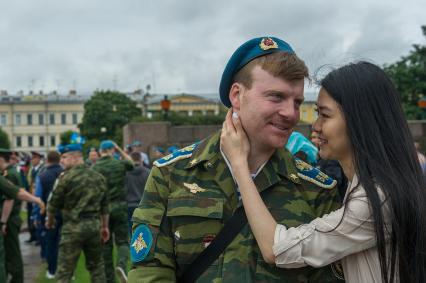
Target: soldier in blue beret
{"x":191,"y":194}
{"x":80,"y":195}
{"x":114,"y":171}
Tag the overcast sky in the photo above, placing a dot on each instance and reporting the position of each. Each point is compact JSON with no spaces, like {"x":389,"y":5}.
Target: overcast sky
{"x":183,"y":46}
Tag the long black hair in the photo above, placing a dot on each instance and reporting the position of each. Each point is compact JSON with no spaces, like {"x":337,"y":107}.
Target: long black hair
{"x":385,"y":157}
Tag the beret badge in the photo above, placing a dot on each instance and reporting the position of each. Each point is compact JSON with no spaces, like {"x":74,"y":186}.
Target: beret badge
{"x":268,"y":43}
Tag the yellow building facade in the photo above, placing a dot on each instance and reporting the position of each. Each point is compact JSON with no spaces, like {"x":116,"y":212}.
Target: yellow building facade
{"x":35,"y":122}
{"x":308,"y":112}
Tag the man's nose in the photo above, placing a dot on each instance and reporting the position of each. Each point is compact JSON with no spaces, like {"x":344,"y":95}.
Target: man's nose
{"x":288,"y":109}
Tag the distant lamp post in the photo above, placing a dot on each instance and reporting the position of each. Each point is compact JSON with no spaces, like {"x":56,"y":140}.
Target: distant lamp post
{"x":165,"y":106}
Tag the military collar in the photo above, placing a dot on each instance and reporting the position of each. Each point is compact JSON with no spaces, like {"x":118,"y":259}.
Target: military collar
{"x":205,"y":151}
{"x":281,"y":161}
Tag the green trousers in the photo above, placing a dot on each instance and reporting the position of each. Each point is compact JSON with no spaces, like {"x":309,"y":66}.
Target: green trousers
{"x":2,"y":262}
{"x":119,"y":233}
{"x":85,"y":236}
{"x":12,"y":250}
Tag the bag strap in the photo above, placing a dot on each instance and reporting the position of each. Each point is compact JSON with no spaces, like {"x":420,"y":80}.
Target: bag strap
{"x":228,"y":233}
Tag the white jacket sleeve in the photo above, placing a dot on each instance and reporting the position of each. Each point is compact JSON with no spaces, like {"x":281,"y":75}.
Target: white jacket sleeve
{"x":328,"y":238}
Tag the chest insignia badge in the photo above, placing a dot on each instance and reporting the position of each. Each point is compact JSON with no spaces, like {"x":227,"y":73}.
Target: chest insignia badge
{"x":194,"y":188}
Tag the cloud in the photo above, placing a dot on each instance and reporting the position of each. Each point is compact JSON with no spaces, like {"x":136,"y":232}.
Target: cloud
{"x":183,"y":46}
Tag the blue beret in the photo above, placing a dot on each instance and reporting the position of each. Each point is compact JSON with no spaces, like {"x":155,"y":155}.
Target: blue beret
{"x":250,"y":50}
{"x":108,"y":144}
{"x":64,"y":148}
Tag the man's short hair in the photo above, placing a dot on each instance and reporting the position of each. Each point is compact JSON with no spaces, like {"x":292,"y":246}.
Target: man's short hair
{"x":136,"y":156}
{"x":284,"y":65}
{"x":53,"y":157}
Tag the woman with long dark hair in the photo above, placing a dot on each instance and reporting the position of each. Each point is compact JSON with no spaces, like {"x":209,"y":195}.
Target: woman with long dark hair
{"x":379,"y":234}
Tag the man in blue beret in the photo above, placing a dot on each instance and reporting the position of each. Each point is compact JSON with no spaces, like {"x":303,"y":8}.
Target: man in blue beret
{"x":114,"y":172}
{"x":80,"y":195}
{"x":191,"y":195}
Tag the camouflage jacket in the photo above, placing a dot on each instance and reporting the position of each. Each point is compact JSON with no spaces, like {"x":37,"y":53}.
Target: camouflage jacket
{"x":7,"y":188}
{"x":79,"y":193}
{"x":13,"y":176}
{"x":188,"y":198}
{"x":114,"y":172}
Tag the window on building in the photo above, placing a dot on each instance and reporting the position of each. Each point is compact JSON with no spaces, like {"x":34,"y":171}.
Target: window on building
{"x":3,"y":119}
{"x":30,"y":141}
{"x":29,"y":119}
{"x":74,"y":118}
{"x":18,"y":141}
{"x":41,"y":119}
{"x":63,"y":118}
{"x":41,"y":141}
{"x":52,"y":140}
{"x":52,"y":118}
{"x":17,"y":119}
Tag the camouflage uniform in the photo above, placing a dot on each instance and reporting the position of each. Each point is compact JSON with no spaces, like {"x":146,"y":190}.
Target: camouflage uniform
{"x":114,"y":172}
{"x":80,"y":193}
{"x":13,"y":257}
{"x":11,"y":191}
{"x":187,"y":200}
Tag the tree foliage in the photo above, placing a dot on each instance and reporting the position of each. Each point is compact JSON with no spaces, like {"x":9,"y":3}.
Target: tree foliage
{"x":65,"y":137}
{"x":105,"y":114}
{"x":409,"y":76}
{"x":4,"y":140}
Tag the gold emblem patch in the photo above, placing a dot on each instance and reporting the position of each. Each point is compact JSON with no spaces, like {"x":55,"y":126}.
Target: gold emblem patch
{"x":293,"y":177}
{"x":194,"y":188}
{"x":268,"y":43}
{"x":139,"y":244}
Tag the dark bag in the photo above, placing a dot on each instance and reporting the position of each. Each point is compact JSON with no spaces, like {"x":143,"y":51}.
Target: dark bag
{"x":216,"y":247}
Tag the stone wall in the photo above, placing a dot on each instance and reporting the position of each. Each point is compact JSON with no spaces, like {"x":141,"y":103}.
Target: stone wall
{"x":163,"y":134}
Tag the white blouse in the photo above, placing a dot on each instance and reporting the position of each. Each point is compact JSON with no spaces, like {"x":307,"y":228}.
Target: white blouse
{"x":353,"y":241}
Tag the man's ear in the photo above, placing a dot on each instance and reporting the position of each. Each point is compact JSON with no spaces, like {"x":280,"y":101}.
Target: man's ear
{"x":235,"y":95}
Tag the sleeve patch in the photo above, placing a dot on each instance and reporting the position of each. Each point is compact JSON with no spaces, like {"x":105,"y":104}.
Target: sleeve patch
{"x":183,"y":153}
{"x":141,"y":243}
{"x":314,"y":175}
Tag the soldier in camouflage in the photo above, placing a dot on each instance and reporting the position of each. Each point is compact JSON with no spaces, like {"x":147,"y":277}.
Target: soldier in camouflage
{"x":191,"y":193}
{"x":80,"y":194}
{"x":114,"y":172}
{"x":10,"y":215}
{"x":9,"y":190}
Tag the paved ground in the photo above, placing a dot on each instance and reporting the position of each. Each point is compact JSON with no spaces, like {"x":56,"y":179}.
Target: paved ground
{"x":30,"y":256}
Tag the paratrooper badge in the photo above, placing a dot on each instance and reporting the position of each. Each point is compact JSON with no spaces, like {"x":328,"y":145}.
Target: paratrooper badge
{"x":309,"y":173}
{"x":268,"y":43}
{"x":141,"y":243}
{"x":183,"y":153}
{"x":194,"y":188}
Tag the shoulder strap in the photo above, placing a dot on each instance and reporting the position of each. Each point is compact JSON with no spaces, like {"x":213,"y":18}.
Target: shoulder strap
{"x":232,"y":227}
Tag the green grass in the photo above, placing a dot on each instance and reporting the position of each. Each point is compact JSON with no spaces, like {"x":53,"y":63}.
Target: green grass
{"x":81,"y":274}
